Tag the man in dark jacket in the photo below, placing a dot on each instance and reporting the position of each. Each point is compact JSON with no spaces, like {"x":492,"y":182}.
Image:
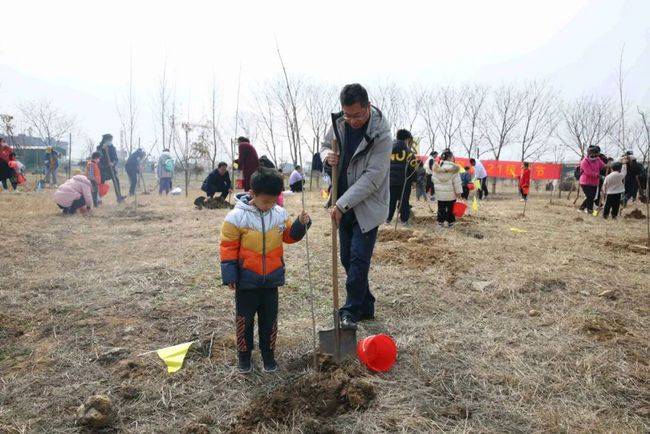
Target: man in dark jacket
{"x":403,"y":164}
{"x":218,"y":181}
{"x":247,"y":161}
{"x":132,"y":167}
{"x":108,"y":164}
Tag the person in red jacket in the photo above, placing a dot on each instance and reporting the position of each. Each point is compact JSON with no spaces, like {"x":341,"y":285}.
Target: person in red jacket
{"x":6,"y":172}
{"x":524,"y":182}
{"x":247,"y":161}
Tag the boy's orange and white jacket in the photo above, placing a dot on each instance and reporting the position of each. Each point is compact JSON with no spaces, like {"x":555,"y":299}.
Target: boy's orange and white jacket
{"x":251,"y":245}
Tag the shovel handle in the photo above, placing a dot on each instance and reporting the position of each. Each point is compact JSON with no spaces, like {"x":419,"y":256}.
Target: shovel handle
{"x":335,"y":268}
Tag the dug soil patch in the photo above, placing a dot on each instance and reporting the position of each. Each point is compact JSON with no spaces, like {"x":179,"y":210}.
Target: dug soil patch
{"x":412,"y":251}
{"x":316,"y":394}
{"x":394,"y":235}
{"x":636,"y":214}
{"x":604,"y":328}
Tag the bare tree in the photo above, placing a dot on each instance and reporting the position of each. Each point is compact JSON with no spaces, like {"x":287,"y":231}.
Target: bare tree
{"x":474,"y":98}
{"x":390,"y":99}
{"x":320,"y":101}
{"x":643,"y":144}
{"x":49,"y":122}
{"x":266,"y":110}
{"x":128,"y":115}
{"x":501,"y":119}
{"x":428,"y":115}
{"x":539,"y":119}
{"x":286,"y":97}
{"x":586,"y":122}
{"x":449,"y":114}
{"x":164,"y":94}
{"x":212,"y":146}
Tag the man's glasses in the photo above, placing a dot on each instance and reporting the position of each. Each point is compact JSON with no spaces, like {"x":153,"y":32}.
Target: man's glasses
{"x":354,"y":117}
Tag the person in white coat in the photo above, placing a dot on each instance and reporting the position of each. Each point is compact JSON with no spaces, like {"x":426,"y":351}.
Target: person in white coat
{"x":449,"y":187}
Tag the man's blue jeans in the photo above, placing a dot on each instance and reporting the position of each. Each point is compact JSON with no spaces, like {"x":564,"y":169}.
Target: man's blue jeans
{"x":356,"y":252}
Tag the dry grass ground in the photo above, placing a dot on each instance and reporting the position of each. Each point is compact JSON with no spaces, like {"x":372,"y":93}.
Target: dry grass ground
{"x":497,"y":331}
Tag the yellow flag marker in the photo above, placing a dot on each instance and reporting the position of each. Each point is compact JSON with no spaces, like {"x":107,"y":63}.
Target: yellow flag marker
{"x":477,"y":184}
{"x":324,"y":194}
{"x":518,"y":231}
{"x":174,"y":356}
{"x":475,"y":205}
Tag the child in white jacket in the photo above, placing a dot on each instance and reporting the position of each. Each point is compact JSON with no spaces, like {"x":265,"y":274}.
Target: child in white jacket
{"x":448,"y":187}
{"x":613,"y":188}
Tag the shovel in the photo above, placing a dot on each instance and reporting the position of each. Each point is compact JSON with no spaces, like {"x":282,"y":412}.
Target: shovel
{"x":340,"y":344}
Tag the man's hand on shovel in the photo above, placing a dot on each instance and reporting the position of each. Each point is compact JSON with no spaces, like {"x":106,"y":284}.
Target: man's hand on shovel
{"x":336,"y":215}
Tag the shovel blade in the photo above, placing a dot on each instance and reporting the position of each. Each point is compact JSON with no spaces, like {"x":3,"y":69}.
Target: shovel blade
{"x":347,"y":344}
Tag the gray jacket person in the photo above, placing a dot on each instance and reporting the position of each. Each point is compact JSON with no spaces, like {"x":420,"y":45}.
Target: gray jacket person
{"x":363,"y":165}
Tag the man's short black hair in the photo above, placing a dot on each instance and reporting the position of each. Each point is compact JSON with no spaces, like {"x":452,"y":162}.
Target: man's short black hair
{"x":222,"y":164}
{"x":354,"y":93}
{"x":95,"y":155}
{"x":297,"y":167}
{"x":267,"y":181}
{"x":404,"y":135}
{"x":617,"y":166}
{"x":526,"y":164}
{"x":242,"y":139}
{"x":472,"y":162}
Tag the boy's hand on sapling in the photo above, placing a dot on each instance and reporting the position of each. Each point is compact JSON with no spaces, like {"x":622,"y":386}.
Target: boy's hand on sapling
{"x":304,"y":218}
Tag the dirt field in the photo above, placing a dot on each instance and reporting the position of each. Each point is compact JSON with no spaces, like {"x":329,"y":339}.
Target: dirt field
{"x":498,"y":331}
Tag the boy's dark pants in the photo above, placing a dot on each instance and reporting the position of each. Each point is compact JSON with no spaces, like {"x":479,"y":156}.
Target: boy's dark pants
{"x":404,"y":205}
{"x":133,"y":181}
{"x":612,"y":204}
{"x":94,"y":189}
{"x":264,"y":302}
{"x":445,"y":213}
{"x":356,"y":252}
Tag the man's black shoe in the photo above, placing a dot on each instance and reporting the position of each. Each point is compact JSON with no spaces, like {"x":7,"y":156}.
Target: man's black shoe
{"x":347,"y":323}
{"x":366,"y":317}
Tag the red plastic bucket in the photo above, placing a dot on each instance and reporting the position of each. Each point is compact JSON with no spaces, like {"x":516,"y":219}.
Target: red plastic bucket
{"x":459,"y":209}
{"x":470,"y":186}
{"x":377,"y":352}
{"x":239,"y":184}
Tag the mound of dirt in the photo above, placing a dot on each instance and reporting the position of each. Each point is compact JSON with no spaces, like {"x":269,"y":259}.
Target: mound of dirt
{"x":423,"y":220}
{"x":212,"y":203}
{"x":96,"y":412}
{"x":636,"y":214}
{"x":385,"y":235}
{"x":626,"y":247}
{"x":543,"y":284}
{"x":604,"y":328}
{"x":316,"y":395}
{"x":413,"y":255}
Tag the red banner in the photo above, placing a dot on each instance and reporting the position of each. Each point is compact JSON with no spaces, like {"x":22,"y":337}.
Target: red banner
{"x":512,"y":169}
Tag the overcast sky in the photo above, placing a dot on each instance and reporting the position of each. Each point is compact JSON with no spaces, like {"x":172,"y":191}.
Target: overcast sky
{"x":78,"y":53}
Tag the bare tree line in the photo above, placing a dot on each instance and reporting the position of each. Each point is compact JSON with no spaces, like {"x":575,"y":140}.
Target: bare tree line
{"x":528,"y":121}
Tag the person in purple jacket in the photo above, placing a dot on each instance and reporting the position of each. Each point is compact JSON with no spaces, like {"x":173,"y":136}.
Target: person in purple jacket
{"x":296,"y":180}
{"x":590,"y":167}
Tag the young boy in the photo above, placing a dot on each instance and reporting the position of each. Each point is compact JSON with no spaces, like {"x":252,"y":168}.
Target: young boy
{"x":524,"y":182}
{"x":613,"y":188}
{"x":252,"y":264}
{"x":93,"y":174}
{"x":465,"y":179}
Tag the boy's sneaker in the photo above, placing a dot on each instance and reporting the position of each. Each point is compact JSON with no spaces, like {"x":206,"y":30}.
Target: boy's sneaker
{"x":244,"y":366}
{"x":450,"y":225}
{"x":406,"y":224}
{"x":270,"y":365}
